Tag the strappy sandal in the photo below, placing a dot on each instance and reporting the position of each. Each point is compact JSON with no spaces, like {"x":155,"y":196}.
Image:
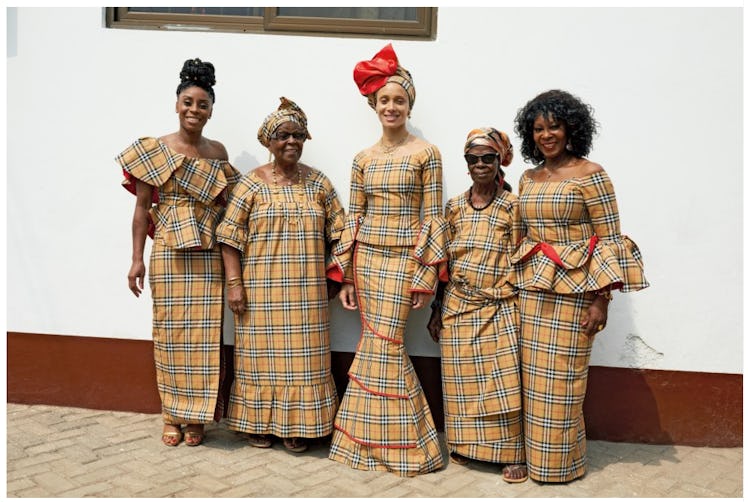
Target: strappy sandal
{"x":171,"y":438}
{"x":296,"y":445}
{"x":260,"y":440}
{"x":458,"y":459}
{"x":194,"y":437}
{"x":509,"y":473}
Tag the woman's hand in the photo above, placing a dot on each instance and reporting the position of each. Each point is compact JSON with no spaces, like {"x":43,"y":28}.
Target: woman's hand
{"x":435,"y":325}
{"x":348,"y":296}
{"x":136,"y":277}
{"x":237,"y":298}
{"x":596,"y":317}
{"x":418,"y":300}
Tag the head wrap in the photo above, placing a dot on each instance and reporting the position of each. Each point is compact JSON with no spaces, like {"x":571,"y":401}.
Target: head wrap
{"x":496,"y":140}
{"x":372,"y":75}
{"x":287,"y":111}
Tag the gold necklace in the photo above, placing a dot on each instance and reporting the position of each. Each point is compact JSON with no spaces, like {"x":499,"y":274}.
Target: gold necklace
{"x":387,"y":150}
{"x":298,"y":175}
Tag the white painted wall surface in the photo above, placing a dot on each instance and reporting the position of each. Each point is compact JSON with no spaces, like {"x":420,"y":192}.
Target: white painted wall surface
{"x":666,"y":84}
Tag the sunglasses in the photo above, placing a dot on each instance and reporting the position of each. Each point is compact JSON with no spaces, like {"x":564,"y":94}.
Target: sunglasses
{"x":283,"y":136}
{"x":487,"y":158}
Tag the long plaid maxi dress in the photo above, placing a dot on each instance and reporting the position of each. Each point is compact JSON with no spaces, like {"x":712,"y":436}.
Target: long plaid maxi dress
{"x":283,"y":383}
{"x":573,"y":247}
{"x":480,"y":337}
{"x":186,"y":274}
{"x":388,"y":252}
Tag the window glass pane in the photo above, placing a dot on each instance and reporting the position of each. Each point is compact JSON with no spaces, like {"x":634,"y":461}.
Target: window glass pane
{"x":210,"y":11}
{"x":374,"y":13}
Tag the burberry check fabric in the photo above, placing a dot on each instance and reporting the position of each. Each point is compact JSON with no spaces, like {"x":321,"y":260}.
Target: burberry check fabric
{"x":574,"y":242}
{"x":388,"y":194}
{"x":283,"y":383}
{"x":480,"y":340}
{"x":186,"y":274}
{"x":573,"y":246}
{"x":191,"y":193}
{"x":384,"y":421}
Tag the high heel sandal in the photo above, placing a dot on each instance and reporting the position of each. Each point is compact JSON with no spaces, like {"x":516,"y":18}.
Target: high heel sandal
{"x":171,"y":438}
{"x":194,"y":436}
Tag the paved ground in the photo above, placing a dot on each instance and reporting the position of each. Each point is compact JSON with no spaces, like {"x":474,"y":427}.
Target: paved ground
{"x":73,"y":452}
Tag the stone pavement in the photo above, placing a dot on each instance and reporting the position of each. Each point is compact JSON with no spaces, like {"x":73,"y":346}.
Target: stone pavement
{"x":72,"y":452}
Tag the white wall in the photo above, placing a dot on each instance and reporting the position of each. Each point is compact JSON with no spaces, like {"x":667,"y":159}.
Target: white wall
{"x":666,"y":84}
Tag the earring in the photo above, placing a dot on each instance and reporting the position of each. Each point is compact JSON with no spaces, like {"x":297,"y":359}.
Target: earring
{"x":568,"y":146}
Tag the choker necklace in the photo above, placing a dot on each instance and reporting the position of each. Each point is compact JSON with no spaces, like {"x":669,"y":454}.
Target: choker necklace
{"x":470,"y":199}
{"x":388,"y":149}
{"x":298,"y":175}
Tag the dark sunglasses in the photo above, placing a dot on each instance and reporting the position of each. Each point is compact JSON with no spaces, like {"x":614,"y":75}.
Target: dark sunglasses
{"x":487,"y":158}
{"x":283,"y":136}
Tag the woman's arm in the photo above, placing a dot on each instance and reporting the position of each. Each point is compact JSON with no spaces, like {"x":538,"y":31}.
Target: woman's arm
{"x":140,"y":223}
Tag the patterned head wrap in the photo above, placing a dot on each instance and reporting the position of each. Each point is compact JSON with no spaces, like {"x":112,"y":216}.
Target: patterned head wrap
{"x":287,"y":111}
{"x":496,"y":140}
{"x":383,"y":68}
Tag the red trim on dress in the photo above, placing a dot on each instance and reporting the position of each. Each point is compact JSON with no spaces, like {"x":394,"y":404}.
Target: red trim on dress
{"x":334,"y":272}
{"x":370,"y":391}
{"x":374,"y":445}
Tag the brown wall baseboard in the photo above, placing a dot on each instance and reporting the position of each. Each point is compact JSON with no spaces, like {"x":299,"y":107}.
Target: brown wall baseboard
{"x":631,"y":405}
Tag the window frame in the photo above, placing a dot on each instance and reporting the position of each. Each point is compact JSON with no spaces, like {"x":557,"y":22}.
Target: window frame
{"x":423,"y":28}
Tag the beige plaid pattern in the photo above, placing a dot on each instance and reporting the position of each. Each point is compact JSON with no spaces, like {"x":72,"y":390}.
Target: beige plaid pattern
{"x":283,"y":383}
{"x":387,"y":197}
{"x":480,"y":340}
{"x":190,"y":193}
{"x":560,"y":262}
{"x":564,"y":218}
{"x":187,"y":292}
{"x":555,"y":360}
{"x":384,"y":422}
{"x":186,"y":274}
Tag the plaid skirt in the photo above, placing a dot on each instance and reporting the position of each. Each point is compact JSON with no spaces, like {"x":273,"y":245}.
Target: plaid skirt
{"x":187,"y":292}
{"x":384,"y":422}
{"x":555,"y":361}
{"x":481,"y":377}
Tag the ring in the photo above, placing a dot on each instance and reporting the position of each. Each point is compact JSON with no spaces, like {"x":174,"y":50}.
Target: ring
{"x":600,"y":327}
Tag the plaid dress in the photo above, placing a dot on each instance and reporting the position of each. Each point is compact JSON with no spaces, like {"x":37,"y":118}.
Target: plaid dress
{"x":283,"y":383}
{"x":186,"y":274}
{"x":384,"y":421}
{"x":573,"y":247}
{"x":480,"y":339}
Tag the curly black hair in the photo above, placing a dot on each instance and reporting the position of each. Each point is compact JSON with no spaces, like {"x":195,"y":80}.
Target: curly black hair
{"x":576,"y":115}
{"x":199,"y":73}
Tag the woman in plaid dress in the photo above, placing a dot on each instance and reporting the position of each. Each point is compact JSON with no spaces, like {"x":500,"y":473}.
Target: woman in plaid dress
{"x":387,"y":258}
{"x":571,"y":259}
{"x":181,"y":182}
{"x":281,"y":219}
{"x":477,"y":321}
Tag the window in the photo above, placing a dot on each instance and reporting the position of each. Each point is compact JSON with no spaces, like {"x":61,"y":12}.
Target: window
{"x":384,"y":22}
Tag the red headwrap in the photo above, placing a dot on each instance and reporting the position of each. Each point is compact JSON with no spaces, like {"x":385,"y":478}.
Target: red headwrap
{"x":370,"y":76}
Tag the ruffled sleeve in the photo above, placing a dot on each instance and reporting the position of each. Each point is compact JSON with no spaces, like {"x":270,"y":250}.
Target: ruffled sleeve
{"x":149,"y":161}
{"x":334,"y":224}
{"x":233,"y":230}
{"x":616,"y":260}
{"x":599,"y":256}
{"x":340,"y":267}
{"x":431,"y":245}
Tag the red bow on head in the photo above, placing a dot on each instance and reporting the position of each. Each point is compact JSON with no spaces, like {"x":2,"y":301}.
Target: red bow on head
{"x":372,"y":75}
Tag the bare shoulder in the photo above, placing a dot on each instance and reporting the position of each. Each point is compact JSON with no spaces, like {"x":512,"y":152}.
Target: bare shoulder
{"x":214,"y":150}
{"x":533,"y":173}
{"x":588,"y":168}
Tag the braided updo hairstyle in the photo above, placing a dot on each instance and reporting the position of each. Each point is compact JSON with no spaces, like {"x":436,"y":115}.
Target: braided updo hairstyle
{"x":576,"y":115}
{"x":198,"y":73}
